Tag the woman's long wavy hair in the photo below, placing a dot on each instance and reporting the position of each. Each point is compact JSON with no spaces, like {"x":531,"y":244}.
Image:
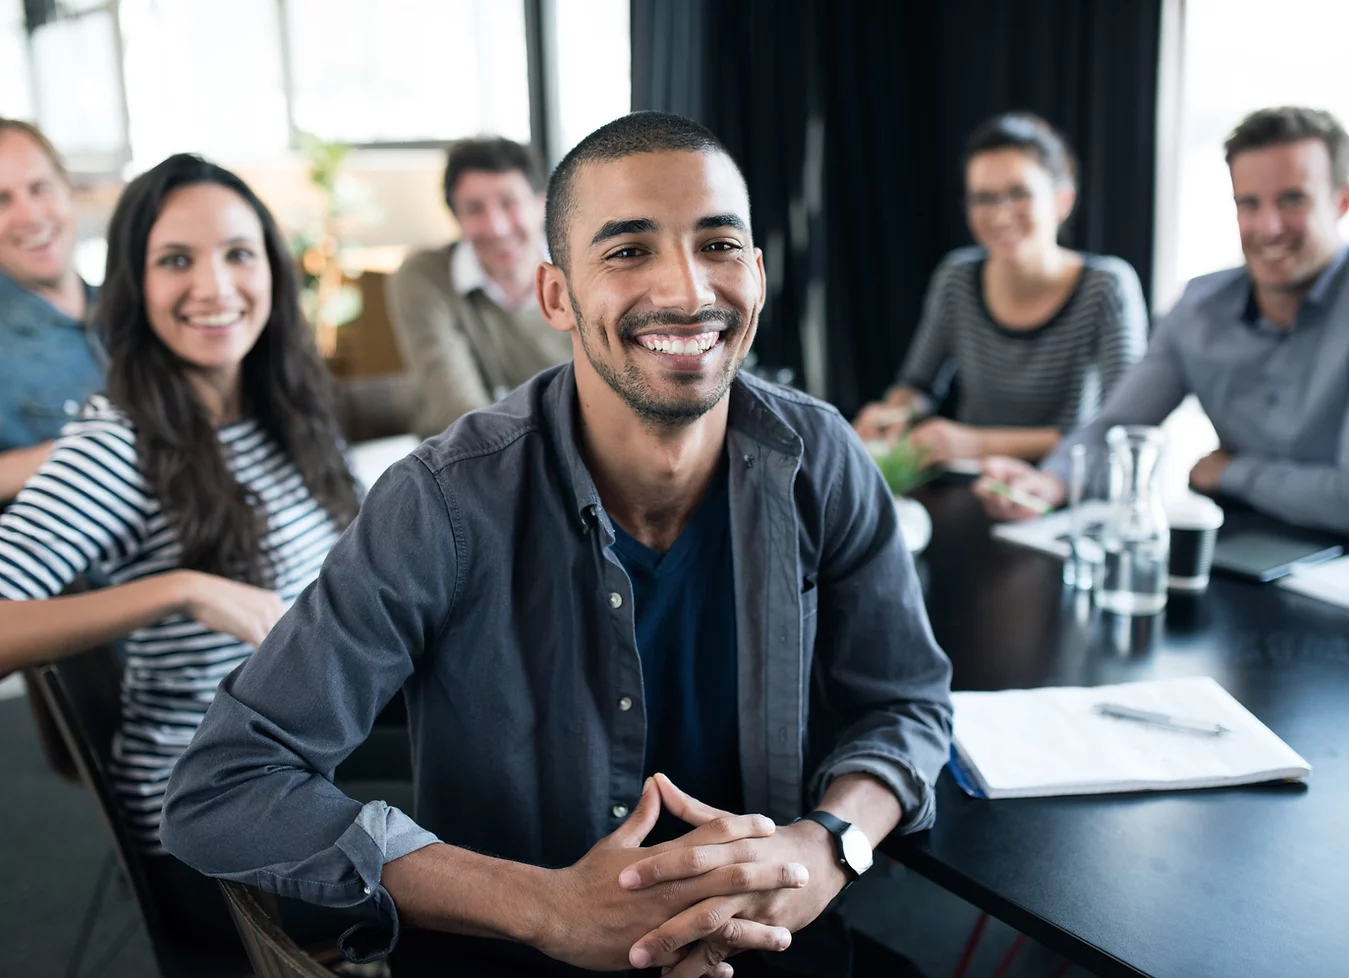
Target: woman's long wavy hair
{"x":286,"y":389}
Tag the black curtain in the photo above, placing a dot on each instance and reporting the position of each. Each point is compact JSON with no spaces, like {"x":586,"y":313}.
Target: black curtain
{"x":896,"y":88}
{"x":762,"y":101}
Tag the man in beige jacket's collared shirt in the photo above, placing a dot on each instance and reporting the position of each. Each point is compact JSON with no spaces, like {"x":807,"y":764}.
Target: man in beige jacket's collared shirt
{"x":467,"y":323}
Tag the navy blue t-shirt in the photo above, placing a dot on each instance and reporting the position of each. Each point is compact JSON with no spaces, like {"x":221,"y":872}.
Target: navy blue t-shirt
{"x":685,"y":612}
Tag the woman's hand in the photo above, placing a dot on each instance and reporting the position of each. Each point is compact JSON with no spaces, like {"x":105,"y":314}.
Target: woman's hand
{"x":1022,"y":479}
{"x":946,"y":441}
{"x":882,"y":422}
{"x":242,"y":610}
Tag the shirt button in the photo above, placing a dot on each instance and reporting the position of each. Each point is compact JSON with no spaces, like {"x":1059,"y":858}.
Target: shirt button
{"x":615,"y":599}
{"x":620,"y":811}
{"x":625,"y":704}
{"x":365,"y":890}
{"x":70,"y":407}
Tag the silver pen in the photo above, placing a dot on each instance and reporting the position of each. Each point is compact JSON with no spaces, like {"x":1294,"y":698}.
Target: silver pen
{"x":1161,"y":720}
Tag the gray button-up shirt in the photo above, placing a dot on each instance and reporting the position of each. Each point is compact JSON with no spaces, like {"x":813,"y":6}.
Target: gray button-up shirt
{"x":49,"y":364}
{"x":1278,"y":397}
{"x":480,"y":579}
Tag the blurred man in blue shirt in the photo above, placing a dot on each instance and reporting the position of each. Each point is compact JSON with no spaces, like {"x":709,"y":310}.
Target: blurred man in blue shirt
{"x":48,"y":359}
{"x":1264,"y":347}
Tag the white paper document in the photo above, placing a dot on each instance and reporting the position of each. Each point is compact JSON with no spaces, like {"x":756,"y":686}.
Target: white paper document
{"x":1026,"y":743}
{"x":1325,"y":582}
{"x":1049,"y":534}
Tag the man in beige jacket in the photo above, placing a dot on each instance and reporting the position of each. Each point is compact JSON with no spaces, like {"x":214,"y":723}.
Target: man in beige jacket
{"x":467,"y":322}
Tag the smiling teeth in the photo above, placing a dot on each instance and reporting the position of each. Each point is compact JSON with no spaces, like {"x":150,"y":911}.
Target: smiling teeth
{"x":219,"y":319}
{"x":38,"y":241}
{"x":680,"y":345}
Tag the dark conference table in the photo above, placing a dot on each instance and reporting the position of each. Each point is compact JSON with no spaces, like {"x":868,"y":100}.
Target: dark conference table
{"x":1224,"y":882}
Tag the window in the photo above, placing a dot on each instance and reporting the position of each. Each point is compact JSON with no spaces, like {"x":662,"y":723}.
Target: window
{"x":593,"y":67}
{"x":1236,"y":56}
{"x":16,"y":90}
{"x":408,"y":71}
{"x":75,"y":70}
{"x":203,"y":77}
{"x":132,"y":81}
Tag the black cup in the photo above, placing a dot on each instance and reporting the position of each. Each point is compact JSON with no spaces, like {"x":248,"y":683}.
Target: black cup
{"x":1194,"y":530}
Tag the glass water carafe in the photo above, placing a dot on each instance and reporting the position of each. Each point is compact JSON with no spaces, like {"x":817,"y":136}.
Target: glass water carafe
{"x":1136,"y":536}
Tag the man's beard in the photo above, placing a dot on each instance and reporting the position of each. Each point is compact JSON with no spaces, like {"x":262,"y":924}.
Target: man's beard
{"x":630,"y":384}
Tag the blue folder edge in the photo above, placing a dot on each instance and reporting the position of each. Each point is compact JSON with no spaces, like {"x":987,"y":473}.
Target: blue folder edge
{"x":962,"y":777}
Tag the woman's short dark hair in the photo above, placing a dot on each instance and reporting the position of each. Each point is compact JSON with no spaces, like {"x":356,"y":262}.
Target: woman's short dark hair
{"x":494,"y":154}
{"x":1030,"y":134}
{"x":1292,"y":124}
{"x":286,"y":389}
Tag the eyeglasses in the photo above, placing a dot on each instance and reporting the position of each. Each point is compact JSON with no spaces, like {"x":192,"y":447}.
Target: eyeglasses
{"x":982,"y":200}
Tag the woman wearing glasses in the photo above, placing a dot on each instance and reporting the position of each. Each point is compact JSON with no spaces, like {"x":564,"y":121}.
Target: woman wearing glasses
{"x":1037,"y":333}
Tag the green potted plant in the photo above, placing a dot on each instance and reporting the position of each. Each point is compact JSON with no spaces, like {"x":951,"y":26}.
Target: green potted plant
{"x":904,"y":466}
{"x":328,"y":298}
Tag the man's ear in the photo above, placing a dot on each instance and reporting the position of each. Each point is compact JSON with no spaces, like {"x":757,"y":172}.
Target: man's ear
{"x":1065,"y":198}
{"x":554,"y":297}
{"x":763,"y":279}
{"x":1342,"y":201}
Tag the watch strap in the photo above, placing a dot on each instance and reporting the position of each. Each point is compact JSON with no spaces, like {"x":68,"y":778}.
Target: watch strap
{"x":835,"y":826}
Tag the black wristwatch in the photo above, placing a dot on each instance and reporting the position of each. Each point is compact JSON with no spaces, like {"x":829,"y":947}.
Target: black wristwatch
{"x":854,"y":848}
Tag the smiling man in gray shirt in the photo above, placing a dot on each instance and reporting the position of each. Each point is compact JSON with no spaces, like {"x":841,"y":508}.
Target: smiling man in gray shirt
{"x":482,"y":578}
{"x":1264,"y":347}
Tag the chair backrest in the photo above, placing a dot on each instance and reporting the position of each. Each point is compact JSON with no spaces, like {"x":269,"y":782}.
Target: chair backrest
{"x":271,"y":950}
{"x":83,"y":693}
{"x":48,"y":733}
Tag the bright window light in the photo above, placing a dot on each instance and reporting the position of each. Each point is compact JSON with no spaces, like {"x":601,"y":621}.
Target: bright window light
{"x":368,"y":71}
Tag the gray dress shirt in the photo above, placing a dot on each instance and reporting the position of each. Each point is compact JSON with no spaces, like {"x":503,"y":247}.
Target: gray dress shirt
{"x":480,"y":579}
{"x":1278,"y":397}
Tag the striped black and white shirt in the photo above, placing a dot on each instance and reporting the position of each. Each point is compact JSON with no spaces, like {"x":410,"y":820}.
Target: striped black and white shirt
{"x":1055,"y":375}
{"x":89,"y":508}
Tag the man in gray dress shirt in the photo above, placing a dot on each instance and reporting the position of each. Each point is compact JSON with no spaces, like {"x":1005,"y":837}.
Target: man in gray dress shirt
{"x":1264,"y":347}
{"x":481,"y":579}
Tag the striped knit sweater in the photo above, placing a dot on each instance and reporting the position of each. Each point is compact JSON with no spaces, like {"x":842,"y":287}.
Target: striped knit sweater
{"x":1054,"y":375}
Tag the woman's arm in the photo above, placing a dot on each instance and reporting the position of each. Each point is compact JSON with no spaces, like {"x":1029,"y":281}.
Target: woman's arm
{"x":1031,"y":444}
{"x":18,"y":465}
{"x":1123,"y":327}
{"x":948,"y":441}
{"x":36,"y":631}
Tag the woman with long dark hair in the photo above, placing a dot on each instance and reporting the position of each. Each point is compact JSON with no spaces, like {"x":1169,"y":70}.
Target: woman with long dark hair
{"x":1035,"y":333}
{"x":206,"y":486}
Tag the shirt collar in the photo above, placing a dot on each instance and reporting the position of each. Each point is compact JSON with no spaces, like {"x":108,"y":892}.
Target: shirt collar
{"x":1317,"y":295}
{"x":467,"y":275}
{"x":751,"y":423}
{"x":27,"y":308}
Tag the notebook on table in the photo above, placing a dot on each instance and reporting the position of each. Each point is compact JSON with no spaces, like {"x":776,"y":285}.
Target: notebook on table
{"x":1027,"y":743}
{"x":1326,"y":582}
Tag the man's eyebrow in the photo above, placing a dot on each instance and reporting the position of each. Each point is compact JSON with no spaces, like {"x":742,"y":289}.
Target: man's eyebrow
{"x":722,"y":221}
{"x":615,"y":229}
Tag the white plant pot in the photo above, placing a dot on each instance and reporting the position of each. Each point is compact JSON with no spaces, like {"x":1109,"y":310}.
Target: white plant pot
{"x":915,"y":525}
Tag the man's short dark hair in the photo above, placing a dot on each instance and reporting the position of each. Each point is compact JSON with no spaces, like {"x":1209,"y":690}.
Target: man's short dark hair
{"x":1292,"y":124}
{"x":494,"y":154}
{"x":637,"y":132}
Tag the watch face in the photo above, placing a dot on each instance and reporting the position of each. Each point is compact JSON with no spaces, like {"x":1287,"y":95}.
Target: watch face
{"x":856,"y":850}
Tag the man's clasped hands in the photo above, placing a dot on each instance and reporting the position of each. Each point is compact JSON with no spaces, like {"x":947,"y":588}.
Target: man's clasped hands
{"x":732,"y":883}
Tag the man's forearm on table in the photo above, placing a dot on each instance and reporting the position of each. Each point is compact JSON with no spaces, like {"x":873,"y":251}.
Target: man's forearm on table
{"x":445,"y":888}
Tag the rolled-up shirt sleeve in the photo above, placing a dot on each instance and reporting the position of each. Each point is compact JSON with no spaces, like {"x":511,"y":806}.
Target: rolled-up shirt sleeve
{"x":883,"y":675}
{"x":253,"y":798}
